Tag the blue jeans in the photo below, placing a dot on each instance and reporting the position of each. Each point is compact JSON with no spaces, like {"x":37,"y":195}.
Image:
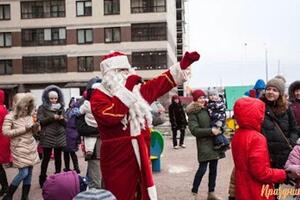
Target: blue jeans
{"x":213,"y":165}
{"x":24,"y":175}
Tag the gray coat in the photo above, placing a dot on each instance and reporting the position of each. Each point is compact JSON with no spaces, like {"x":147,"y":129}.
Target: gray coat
{"x":53,"y":131}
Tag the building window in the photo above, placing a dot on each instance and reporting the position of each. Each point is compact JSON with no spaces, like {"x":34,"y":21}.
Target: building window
{"x":144,"y":6}
{"x":85,"y":64}
{"x":112,"y":35}
{"x":5,"y":67}
{"x":180,"y":90}
{"x":111,"y":7}
{"x":5,"y":40}
{"x":42,"y":37}
{"x":149,"y":60}
{"x":44,"y":64}
{"x":84,"y":36}
{"x":84,"y":8}
{"x":4,"y":12}
{"x":42,"y":9}
{"x":147,"y":32}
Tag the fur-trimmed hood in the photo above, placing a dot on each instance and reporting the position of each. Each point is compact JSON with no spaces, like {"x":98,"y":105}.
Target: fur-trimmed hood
{"x":23,"y":105}
{"x":45,"y":97}
{"x":193,"y":107}
{"x":294,"y":86}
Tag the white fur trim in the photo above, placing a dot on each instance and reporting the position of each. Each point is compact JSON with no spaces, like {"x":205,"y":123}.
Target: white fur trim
{"x":102,"y":89}
{"x":95,"y":85}
{"x":136,"y":149}
{"x":126,"y":97}
{"x":152,"y":192}
{"x":116,"y":62}
{"x":179,"y":75}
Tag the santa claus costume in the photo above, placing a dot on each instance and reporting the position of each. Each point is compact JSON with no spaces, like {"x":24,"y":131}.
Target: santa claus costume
{"x":120,"y":105}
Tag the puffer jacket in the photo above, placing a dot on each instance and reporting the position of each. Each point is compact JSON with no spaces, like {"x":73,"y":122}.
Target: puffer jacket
{"x":293,"y":163}
{"x":295,"y":103}
{"x":72,"y":136}
{"x":22,"y":143}
{"x":277,"y":145}
{"x":4,"y":140}
{"x":52,"y":134}
{"x":253,"y":173}
{"x":199,"y":125}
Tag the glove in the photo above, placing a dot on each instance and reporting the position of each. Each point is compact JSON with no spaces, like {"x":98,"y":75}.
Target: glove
{"x":132,"y":80}
{"x":188,"y":59}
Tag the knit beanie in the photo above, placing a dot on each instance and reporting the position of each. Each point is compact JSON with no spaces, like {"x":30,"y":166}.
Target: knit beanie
{"x":52,"y":94}
{"x":277,"y":83}
{"x":95,"y":194}
{"x":280,"y":77}
{"x":197,"y":93}
{"x":211,"y":92}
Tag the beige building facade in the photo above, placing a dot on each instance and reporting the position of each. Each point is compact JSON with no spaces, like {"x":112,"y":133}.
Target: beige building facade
{"x":62,"y":41}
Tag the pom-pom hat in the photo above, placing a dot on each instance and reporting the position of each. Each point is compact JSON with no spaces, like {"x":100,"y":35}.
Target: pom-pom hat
{"x":114,"y":60}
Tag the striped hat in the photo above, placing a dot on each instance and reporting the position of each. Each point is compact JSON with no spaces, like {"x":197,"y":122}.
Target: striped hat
{"x":95,"y":194}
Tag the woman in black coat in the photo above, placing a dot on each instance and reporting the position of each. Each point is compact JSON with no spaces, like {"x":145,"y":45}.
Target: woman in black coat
{"x":51,"y":117}
{"x":178,"y":121}
{"x":279,"y":125}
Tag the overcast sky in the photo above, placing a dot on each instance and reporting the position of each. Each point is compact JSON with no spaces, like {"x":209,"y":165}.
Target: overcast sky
{"x":232,"y":37}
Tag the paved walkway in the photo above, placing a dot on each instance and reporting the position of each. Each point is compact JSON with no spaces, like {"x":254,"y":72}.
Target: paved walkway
{"x":173,"y":182}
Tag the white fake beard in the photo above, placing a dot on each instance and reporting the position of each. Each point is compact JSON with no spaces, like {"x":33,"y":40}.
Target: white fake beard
{"x":139,"y":112}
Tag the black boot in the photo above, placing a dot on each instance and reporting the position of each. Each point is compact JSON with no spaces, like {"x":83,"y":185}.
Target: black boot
{"x":4,"y":184}
{"x":3,"y":181}
{"x":3,"y":190}
{"x":42,"y":180}
{"x":76,"y":167}
{"x":25,"y":192}
{"x":10,"y":193}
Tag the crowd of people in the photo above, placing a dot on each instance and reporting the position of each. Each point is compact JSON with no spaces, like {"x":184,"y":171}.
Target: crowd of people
{"x":112,"y":121}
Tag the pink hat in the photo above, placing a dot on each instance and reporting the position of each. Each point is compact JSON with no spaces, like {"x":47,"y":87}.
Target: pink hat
{"x":197,"y":93}
{"x":114,"y":60}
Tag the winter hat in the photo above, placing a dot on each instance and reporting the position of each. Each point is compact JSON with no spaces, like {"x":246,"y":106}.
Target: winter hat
{"x":197,"y":93}
{"x":293,"y":87}
{"x":175,"y":97}
{"x":280,"y":77}
{"x":92,"y":82}
{"x":64,"y":185}
{"x":277,"y":83}
{"x":114,"y":60}
{"x":212,"y":92}
{"x":52,"y":94}
{"x":95,"y":194}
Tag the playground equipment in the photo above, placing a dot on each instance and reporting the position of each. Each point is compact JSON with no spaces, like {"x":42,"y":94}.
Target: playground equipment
{"x":156,"y":148}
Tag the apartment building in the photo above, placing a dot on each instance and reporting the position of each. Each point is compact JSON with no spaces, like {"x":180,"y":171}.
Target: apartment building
{"x":62,"y":41}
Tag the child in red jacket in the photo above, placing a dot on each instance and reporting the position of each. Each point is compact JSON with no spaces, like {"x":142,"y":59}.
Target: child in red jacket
{"x":253,"y":175}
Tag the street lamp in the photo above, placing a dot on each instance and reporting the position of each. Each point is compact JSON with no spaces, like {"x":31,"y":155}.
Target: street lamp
{"x":266,"y":62}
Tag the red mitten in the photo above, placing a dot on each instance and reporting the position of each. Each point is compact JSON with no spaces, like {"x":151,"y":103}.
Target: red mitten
{"x":132,"y":80}
{"x":188,"y":59}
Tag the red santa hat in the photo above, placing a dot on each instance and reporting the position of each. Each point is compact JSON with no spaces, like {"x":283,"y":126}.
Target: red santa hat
{"x":114,"y":60}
